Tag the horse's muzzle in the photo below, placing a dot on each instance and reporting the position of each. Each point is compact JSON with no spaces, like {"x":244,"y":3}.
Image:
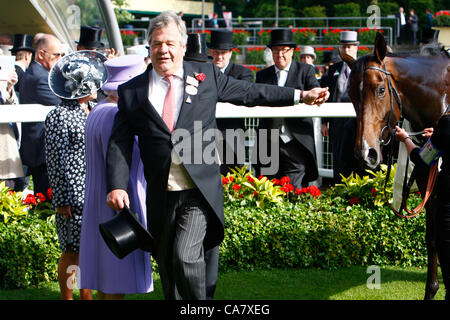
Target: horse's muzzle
{"x":371,"y":156}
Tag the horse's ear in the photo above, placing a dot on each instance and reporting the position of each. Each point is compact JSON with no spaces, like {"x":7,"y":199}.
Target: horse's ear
{"x":346,"y":58}
{"x":380,"y":48}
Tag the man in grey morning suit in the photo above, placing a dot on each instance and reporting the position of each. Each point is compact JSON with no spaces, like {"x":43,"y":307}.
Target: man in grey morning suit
{"x":184,"y":198}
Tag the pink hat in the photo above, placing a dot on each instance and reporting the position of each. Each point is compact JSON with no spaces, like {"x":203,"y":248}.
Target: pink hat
{"x":122,"y":69}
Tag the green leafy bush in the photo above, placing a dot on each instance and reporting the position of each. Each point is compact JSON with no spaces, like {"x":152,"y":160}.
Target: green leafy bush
{"x":349,"y":224}
{"x":321,"y":232}
{"x":29,"y":250}
{"x":11,"y":206}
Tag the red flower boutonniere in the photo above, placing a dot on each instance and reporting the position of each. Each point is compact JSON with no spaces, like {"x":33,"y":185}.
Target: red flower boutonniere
{"x":200,"y":76}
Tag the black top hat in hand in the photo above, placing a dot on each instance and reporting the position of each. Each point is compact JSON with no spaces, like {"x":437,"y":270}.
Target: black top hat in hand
{"x":221,"y":40}
{"x":22,"y":42}
{"x":281,"y":37}
{"x":124,"y":233}
{"x":90,"y":37}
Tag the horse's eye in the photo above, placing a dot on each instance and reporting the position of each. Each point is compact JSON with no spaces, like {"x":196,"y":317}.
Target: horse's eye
{"x":381,"y":91}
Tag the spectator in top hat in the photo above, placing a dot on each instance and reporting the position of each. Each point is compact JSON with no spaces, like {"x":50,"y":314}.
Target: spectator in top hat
{"x":196,"y":48}
{"x":342,"y":131}
{"x":23,"y":50}
{"x":297,"y":152}
{"x":90,"y":39}
{"x":329,"y":58}
{"x":308,"y":56}
{"x":220,"y":48}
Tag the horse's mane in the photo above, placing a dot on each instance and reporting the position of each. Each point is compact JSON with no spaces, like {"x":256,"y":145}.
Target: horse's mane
{"x":432,"y":49}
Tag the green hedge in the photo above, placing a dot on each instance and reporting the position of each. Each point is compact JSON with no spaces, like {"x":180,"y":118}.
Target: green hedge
{"x":323,"y":232}
{"x":345,"y":225}
{"x":29,"y":252}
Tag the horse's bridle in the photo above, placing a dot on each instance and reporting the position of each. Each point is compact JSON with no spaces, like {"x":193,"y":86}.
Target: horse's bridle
{"x":392,"y":91}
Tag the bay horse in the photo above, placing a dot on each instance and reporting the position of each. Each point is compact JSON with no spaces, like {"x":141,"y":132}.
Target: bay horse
{"x":384,"y":86}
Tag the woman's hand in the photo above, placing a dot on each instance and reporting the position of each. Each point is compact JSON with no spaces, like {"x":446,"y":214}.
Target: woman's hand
{"x":64,"y":211}
{"x":400,"y":134}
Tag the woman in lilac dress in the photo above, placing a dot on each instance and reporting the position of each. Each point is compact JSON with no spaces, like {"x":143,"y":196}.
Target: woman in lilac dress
{"x":100,"y":269}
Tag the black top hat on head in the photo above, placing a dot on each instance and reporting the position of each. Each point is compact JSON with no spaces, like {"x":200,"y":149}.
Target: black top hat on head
{"x":22,"y":42}
{"x":221,"y":40}
{"x":281,"y":37}
{"x":90,"y":37}
{"x":124,"y":233}
{"x":196,"y":48}
{"x":330,"y":56}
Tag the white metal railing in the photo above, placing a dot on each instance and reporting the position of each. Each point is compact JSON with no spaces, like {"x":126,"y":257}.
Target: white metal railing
{"x":37,"y":113}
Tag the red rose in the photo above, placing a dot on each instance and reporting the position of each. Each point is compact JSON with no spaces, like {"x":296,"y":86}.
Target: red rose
{"x":354,"y":200}
{"x":49,"y":193}
{"x":225,"y":181}
{"x":276,"y":182}
{"x":200,"y":77}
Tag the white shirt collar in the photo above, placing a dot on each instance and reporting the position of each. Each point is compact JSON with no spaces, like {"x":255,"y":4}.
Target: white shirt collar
{"x":21,"y":65}
{"x":179,"y":73}
{"x":285,"y":69}
{"x":225,"y":68}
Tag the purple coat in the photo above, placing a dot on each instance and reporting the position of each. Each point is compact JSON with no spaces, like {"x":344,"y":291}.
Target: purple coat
{"x":100,"y":269}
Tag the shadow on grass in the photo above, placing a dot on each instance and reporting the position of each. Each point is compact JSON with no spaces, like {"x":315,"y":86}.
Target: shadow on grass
{"x":289,"y":284}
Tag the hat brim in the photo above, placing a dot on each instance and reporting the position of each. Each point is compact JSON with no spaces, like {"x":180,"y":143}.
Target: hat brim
{"x":13,"y":50}
{"x":288,"y":44}
{"x":124,"y":233}
{"x":308,"y":54}
{"x":112,"y":85}
{"x":218,"y":46}
{"x":91,"y":45}
{"x":57,"y":81}
{"x":349,"y":42}
{"x":197,"y":57}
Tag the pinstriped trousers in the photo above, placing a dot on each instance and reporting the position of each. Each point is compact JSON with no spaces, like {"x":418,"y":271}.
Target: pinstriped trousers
{"x":181,"y":257}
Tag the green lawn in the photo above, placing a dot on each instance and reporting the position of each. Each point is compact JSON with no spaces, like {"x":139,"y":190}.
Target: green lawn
{"x":290,"y":284}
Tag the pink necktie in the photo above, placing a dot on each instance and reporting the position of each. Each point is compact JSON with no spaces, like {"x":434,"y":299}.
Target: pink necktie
{"x":168,"y":113}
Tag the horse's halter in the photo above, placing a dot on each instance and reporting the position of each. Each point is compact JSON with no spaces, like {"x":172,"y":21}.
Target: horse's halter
{"x":392,"y":91}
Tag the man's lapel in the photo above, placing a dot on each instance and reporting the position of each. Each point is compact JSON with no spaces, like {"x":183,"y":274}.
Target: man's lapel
{"x":291,"y":81}
{"x":187,"y":115}
{"x":273,"y":76}
{"x":142,"y":95}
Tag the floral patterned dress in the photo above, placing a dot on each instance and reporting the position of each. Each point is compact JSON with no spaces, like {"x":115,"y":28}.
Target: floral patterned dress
{"x":65,"y":155}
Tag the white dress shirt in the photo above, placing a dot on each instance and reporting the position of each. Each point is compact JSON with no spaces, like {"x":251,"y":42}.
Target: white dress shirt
{"x":285,"y":134}
{"x":158,"y":90}
{"x":179,"y":178}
